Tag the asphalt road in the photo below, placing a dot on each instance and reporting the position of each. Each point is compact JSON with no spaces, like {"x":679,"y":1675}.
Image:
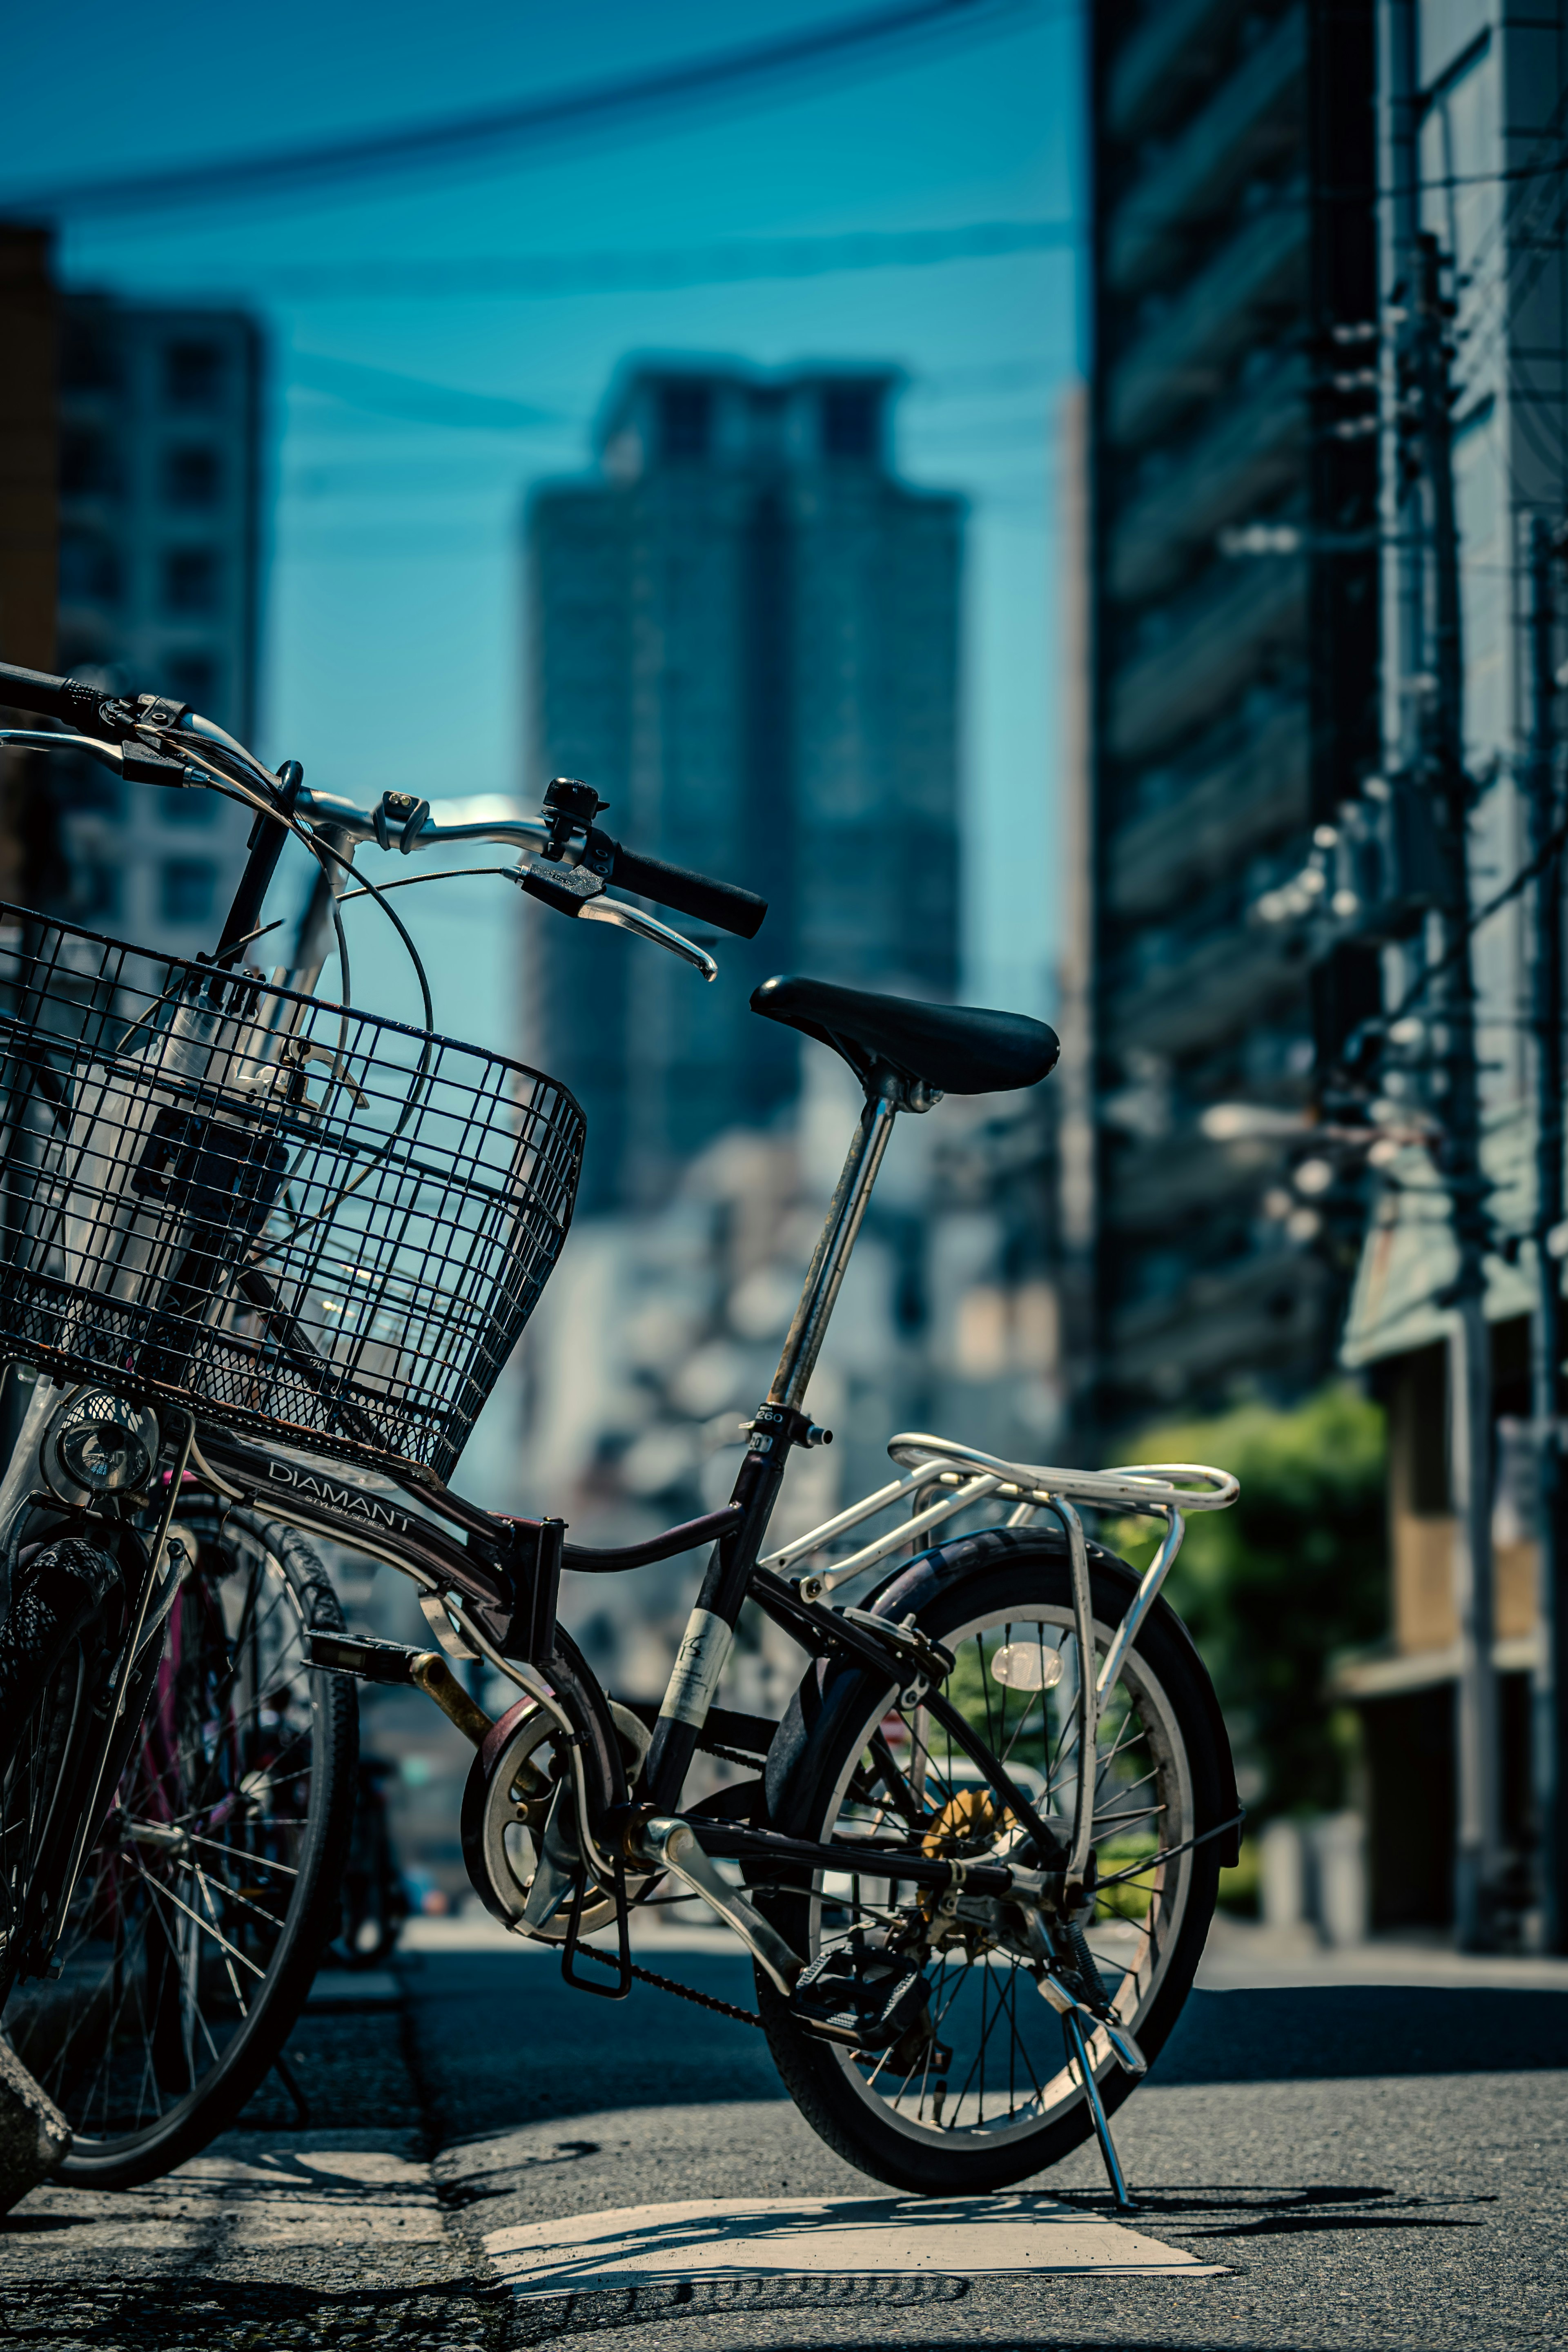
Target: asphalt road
{"x":1372,"y":2166}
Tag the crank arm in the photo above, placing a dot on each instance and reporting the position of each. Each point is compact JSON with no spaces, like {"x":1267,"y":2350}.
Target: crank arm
{"x":672,"y":1845}
{"x":556,"y":1871}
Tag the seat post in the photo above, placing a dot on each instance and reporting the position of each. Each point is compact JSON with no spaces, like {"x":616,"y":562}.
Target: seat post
{"x":885,"y":1098}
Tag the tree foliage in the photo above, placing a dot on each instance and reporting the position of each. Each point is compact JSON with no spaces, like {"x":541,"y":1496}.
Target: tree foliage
{"x":1271,"y":1588}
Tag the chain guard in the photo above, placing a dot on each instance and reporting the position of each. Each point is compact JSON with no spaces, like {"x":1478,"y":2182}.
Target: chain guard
{"x":505,"y":1804}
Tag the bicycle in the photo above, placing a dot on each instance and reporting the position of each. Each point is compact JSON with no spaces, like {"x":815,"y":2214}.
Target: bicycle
{"x":266,"y":1254}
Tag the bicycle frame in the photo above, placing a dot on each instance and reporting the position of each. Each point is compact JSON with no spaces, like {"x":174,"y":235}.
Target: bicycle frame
{"x":488,"y":1583}
{"x":492,"y":1595}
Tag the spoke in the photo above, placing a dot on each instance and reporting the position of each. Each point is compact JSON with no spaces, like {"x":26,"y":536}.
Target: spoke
{"x":1023,"y":2046}
{"x":169,"y":1895}
{"x":228,"y":1964}
{"x":1116,"y":1821}
{"x":233,"y":1895}
{"x":256,"y":1861}
{"x":1131,"y":1788}
{"x":897,"y":1787}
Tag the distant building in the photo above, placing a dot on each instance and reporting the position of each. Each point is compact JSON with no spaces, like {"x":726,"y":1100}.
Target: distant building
{"x":743,"y":629}
{"x":1471,"y":152}
{"x":28,"y":531}
{"x":1230,"y":579}
{"x":160,"y":588}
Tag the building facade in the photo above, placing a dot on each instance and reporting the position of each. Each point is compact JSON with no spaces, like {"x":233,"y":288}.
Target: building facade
{"x":29,"y":530}
{"x":1472,"y":98}
{"x":742,"y":629}
{"x":1229,"y":581}
{"x":160,"y":427}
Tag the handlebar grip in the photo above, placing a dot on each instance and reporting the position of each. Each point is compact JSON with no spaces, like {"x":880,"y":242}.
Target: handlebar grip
{"x":51,"y":697}
{"x":719,"y":903}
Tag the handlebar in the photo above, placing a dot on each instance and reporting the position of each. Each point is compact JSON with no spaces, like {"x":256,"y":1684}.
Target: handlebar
{"x":565,"y":861}
{"x":49,"y":697}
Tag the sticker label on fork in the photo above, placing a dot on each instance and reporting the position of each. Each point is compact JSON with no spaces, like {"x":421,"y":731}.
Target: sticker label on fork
{"x":699,"y":1663}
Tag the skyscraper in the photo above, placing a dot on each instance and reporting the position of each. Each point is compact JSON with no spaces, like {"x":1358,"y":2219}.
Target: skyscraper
{"x":1231,"y":582}
{"x":743,"y":629}
{"x":160,"y":587}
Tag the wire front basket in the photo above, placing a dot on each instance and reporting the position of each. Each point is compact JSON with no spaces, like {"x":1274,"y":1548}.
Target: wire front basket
{"x":288,"y":1216}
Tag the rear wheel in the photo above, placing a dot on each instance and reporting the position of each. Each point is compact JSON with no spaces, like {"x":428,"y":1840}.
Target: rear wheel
{"x":977,"y":2092}
{"x":204,"y":1904}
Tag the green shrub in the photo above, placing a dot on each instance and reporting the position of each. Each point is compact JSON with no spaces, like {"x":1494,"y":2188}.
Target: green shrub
{"x":1272,"y":1588}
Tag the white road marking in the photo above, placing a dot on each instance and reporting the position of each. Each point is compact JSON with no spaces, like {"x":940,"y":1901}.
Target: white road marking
{"x":783,"y":2237}
{"x":310,"y":2189}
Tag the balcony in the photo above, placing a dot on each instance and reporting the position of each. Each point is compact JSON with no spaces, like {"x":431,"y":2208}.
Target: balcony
{"x":1244,"y":618}
{"x":1255,"y":117}
{"x":1266,"y":1311}
{"x":1248,"y":792}
{"x":1159,"y":1185}
{"x":1191,"y":987}
{"x":1236,"y":466}
{"x":1172,"y":57}
{"x":1255,"y":284}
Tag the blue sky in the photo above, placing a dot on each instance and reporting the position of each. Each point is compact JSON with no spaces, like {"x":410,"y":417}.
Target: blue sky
{"x":393,"y":634}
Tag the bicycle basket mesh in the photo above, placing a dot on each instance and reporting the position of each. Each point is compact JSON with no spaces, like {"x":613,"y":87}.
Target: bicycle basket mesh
{"x":285,"y":1215}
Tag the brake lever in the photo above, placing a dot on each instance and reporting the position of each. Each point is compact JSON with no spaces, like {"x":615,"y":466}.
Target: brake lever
{"x":131,"y":759}
{"x":573,"y":890}
{"x":607,"y":909}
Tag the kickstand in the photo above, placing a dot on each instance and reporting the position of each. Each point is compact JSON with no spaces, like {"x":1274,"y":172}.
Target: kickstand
{"x":1077,"y":2053}
{"x":623,"y":1984}
{"x":290,"y":2082}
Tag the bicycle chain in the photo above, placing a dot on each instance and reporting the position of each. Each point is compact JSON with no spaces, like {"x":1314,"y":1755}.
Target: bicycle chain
{"x":682,"y":1992}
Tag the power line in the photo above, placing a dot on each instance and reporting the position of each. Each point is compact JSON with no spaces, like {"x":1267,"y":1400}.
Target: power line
{"x":659,"y":269}
{"x":390,"y":393}
{"x":473,"y":138}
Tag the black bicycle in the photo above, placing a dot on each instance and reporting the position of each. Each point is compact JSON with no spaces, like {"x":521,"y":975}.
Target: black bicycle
{"x":263,"y":1258}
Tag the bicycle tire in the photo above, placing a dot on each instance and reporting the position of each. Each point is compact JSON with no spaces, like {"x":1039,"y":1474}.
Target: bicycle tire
{"x":213,"y":1886}
{"x":973,"y":1589}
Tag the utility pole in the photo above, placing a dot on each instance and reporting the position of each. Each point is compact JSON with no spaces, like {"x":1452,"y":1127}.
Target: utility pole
{"x":1546,"y":1012}
{"x":1479,"y":1825}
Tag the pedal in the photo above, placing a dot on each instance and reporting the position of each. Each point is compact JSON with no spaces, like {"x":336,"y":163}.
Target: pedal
{"x":870,"y":2001}
{"x":362,"y":1655}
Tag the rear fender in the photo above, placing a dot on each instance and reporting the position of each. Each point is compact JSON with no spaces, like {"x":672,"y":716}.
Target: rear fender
{"x":831,"y":1690}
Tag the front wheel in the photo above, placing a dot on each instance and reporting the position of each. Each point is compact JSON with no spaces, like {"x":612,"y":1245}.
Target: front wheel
{"x":210,"y":1890}
{"x":975,"y":2093}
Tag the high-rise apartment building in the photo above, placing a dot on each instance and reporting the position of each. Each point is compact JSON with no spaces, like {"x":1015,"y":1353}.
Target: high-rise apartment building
{"x":743,"y":629}
{"x":1230,"y":578}
{"x":160,"y":586}
{"x":28,"y":526}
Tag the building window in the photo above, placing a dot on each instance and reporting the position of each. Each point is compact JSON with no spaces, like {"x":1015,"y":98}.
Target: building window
{"x":191,"y":477}
{"x":90,"y":568}
{"x":190,"y":580}
{"x":187,"y":886}
{"x":89,"y":463}
{"x":97,"y":892}
{"x":89,"y":356}
{"x":187,"y":808}
{"x":848,"y":422}
{"x":193,"y":375}
{"x":192,"y":679}
{"x":685,"y":420}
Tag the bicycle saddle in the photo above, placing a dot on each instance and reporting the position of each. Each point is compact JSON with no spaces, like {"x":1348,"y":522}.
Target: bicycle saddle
{"x":951,"y":1047}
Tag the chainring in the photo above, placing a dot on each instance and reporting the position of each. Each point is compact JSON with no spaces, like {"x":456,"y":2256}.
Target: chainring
{"x":505,"y":1801}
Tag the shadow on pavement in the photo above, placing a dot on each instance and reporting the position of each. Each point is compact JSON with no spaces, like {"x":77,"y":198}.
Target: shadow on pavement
{"x":502,"y":2041}
{"x":1325,"y":2032}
